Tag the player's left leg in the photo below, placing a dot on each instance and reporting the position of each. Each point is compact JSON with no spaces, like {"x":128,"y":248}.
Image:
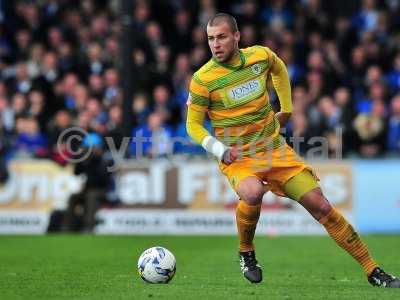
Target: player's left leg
{"x":304,"y":188}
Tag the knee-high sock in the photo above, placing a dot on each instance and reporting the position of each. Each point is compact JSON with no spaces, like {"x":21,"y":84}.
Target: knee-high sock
{"x":345,"y":236}
{"x":246,"y":220}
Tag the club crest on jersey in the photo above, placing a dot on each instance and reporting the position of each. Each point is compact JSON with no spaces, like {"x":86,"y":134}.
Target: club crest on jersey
{"x":256,"y":68}
{"x":244,"y":90}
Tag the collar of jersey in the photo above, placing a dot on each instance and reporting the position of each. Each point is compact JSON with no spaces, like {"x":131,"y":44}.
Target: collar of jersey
{"x":232,"y":67}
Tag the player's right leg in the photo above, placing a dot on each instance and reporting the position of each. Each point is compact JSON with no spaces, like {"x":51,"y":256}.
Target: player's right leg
{"x":251,"y":191}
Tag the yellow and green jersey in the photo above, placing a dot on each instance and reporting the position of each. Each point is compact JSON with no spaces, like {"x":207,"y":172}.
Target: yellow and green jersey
{"x":236,"y":99}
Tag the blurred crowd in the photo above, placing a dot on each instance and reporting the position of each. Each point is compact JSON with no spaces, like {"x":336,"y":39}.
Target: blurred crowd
{"x":60,"y":63}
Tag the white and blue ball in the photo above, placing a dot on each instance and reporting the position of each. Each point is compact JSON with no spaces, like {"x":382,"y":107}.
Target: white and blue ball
{"x":157,"y":265}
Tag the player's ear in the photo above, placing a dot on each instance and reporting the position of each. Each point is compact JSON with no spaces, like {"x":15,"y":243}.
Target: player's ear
{"x":236,"y":36}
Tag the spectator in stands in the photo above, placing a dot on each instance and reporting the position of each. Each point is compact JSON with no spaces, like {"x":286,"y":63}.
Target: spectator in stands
{"x":114,"y":126}
{"x":95,"y":63}
{"x":393,"y":76}
{"x":366,"y":19}
{"x":6,"y":115}
{"x":82,"y":207}
{"x":97,"y":114}
{"x":21,"y":83}
{"x":296,"y":72}
{"x":276,"y":15}
{"x":35,"y":60}
{"x":30,"y":142}
{"x":198,"y":37}
{"x":371,"y":130}
{"x":332,"y":124}
{"x":19,"y":106}
{"x":180,"y":73}
{"x":48,"y":76}
{"x":247,"y":13}
{"x":152,"y":139}
{"x":164,"y":104}
{"x":4,"y":151}
{"x":140,"y":109}
{"x":36,"y":108}
{"x":160,"y":69}
{"x":23,"y":39}
{"x":207,"y":10}
{"x":67,"y":88}
{"x":330,"y":113}
{"x":342,"y":99}
{"x":299,"y":138}
{"x":96,"y":86}
{"x":249,"y":35}
{"x":80,"y":96}
{"x":60,"y":151}
{"x":182,"y":31}
{"x":394,"y":126}
{"x":112,"y":92}
{"x":198,"y":56}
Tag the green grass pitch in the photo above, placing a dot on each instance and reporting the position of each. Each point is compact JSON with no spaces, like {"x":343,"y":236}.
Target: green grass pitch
{"x":104,"y":267}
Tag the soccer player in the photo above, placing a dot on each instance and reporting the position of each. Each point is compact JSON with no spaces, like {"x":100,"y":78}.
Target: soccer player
{"x":231,"y":88}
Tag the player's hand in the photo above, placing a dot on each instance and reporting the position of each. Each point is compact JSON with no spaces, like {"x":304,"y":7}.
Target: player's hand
{"x":230,"y":155}
{"x":283,"y":118}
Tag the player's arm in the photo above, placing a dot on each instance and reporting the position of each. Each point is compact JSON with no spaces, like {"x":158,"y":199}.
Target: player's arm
{"x":198,"y":102}
{"x":281,"y":82}
{"x":196,"y":130}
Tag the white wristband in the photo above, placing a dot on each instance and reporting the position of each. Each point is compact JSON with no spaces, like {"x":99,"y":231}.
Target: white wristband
{"x":212,"y":145}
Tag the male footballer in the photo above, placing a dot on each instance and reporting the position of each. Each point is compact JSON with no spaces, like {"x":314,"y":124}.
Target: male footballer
{"x":231,"y":89}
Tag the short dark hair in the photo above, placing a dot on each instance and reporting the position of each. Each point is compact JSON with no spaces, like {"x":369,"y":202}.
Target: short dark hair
{"x":223,"y":17}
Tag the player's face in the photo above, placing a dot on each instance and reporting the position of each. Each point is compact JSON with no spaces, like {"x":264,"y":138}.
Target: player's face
{"x":222,"y":41}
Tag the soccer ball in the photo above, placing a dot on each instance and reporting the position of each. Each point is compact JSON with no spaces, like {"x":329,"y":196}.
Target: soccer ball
{"x":157,"y":265}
